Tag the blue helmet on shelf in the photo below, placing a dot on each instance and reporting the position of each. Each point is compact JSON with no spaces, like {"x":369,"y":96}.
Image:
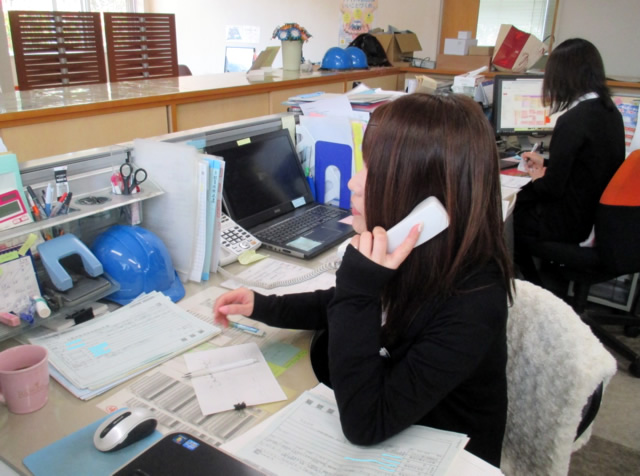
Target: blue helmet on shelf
{"x":358,"y":58}
{"x":336,"y":58}
{"x":139,"y":261}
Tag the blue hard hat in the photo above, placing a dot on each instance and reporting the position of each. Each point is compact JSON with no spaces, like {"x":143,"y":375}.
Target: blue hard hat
{"x":358,"y":58}
{"x":139,"y":261}
{"x":336,"y":58}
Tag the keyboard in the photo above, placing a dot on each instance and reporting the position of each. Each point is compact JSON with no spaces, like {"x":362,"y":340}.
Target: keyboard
{"x":295,"y":226}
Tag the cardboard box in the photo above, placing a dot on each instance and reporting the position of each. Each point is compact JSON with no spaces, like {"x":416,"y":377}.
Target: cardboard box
{"x":462,"y":63}
{"x":399,"y":46}
{"x":457,"y":46}
{"x":481,"y":51}
{"x":464,"y":35}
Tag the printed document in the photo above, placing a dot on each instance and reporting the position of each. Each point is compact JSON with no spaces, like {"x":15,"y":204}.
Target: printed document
{"x":306,"y":438}
{"x":272,"y":270}
{"x":139,"y":335}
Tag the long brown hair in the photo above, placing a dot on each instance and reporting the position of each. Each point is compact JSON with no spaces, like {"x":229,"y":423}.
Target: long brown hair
{"x":422,"y":145}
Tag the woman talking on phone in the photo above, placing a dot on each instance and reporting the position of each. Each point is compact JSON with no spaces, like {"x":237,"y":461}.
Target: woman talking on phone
{"x":586,"y":149}
{"x":416,"y":336}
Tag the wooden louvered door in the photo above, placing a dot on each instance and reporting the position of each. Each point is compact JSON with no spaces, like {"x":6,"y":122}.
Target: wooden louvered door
{"x":141,"y":45}
{"x":54,"y":49}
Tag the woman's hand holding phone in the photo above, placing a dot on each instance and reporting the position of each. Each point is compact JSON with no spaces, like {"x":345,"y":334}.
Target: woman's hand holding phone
{"x":373,"y":245}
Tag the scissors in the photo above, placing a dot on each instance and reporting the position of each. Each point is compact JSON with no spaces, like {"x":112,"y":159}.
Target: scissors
{"x":131,"y":179}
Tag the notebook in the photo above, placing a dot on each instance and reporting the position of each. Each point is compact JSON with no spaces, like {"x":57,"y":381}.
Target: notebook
{"x":267,"y":193}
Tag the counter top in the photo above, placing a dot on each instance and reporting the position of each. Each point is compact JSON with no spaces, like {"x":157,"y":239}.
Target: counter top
{"x":45,"y":102}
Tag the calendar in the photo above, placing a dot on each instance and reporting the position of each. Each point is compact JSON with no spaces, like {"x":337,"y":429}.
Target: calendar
{"x":18,"y":281}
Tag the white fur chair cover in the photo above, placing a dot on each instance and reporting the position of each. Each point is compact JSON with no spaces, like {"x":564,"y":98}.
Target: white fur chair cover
{"x":554,"y":365}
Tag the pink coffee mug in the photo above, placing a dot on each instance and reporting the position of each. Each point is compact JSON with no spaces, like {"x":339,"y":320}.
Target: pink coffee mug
{"x":24,"y":378}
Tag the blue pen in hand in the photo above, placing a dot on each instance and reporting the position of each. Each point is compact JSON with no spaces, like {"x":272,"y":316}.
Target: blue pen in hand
{"x":248,"y":329}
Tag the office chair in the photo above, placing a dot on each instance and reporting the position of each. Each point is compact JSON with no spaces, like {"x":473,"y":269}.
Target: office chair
{"x":616,"y":253}
{"x":557,"y":371}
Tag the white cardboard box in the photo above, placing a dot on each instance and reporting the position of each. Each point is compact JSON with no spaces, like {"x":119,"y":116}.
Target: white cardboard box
{"x":464,"y":35}
{"x":457,"y":46}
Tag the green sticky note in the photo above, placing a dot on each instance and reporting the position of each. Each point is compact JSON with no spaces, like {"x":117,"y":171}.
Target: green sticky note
{"x":31,"y":239}
{"x":9,"y":256}
{"x":250,"y":256}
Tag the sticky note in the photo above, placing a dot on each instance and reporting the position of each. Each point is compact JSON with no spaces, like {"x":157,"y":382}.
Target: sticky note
{"x":10,"y":256}
{"x":250,"y":256}
{"x":31,"y":239}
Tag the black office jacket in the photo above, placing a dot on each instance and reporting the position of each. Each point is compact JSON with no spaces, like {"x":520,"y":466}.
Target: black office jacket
{"x":448,"y":370}
{"x":586,"y":149}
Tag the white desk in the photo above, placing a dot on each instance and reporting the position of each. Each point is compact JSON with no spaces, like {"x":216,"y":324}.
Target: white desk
{"x":21,"y":435}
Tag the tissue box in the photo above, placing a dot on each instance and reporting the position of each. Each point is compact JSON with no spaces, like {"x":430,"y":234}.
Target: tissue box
{"x":466,"y":84}
{"x":465,"y":81}
{"x":458,"y":46}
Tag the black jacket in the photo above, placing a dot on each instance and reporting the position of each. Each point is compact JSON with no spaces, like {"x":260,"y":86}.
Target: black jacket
{"x":448,"y":370}
{"x":586,"y":149}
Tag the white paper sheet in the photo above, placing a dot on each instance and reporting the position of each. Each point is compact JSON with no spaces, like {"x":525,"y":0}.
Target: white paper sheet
{"x":514,"y":181}
{"x":306,"y":438}
{"x":249,"y":385}
{"x":271,"y":270}
{"x":334,"y":106}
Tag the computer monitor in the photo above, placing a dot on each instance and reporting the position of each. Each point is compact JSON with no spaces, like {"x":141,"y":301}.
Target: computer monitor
{"x":518,"y":109}
{"x":275,"y":184}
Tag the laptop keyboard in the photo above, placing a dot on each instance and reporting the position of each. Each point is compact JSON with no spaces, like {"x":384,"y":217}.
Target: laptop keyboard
{"x":295,"y":226}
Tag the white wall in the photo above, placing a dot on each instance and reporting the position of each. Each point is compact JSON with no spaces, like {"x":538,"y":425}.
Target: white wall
{"x":611,"y":25}
{"x":6,"y":76}
{"x":201,"y":25}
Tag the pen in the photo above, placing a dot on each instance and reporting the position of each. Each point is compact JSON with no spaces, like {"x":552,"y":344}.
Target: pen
{"x":220,"y":368}
{"x":36,"y":202}
{"x":65,"y":206}
{"x":248,"y":329}
{"x":58,"y":205}
{"x":535,"y":147}
{"x":48,"y":199}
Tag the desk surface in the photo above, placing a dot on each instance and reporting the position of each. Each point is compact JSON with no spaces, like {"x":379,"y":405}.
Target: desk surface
{"x":21,"y":435}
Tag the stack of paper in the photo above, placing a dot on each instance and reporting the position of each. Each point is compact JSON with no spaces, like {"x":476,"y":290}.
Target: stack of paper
{"x":206,"y":252}
{"x":89,"y":359}
{"x":187,"y":216}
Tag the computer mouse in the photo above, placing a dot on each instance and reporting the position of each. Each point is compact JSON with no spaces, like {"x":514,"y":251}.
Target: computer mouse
{"x":123,"y":428}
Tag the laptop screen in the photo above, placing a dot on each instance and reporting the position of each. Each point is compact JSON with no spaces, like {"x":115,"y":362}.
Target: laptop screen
{"x":263,"y":177}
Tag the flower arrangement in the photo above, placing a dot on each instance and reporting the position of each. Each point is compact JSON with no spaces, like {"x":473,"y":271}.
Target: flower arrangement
{"x":291,"y":32}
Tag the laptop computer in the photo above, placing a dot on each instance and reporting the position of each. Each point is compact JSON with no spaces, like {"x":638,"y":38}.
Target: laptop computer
{"x":267,"y":193}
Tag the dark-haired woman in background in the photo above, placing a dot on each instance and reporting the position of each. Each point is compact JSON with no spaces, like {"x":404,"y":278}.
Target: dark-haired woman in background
{"x":586,"y":148}
{"x":417,"y":336}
